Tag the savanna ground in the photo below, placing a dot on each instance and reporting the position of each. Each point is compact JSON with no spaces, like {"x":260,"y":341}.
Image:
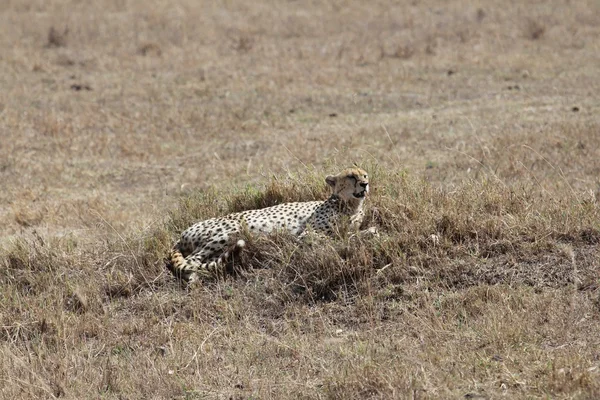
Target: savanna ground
{"x":123,"y":121}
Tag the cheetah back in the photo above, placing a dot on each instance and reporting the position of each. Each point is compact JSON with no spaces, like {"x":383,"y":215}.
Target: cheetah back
{"x":212,"y":235}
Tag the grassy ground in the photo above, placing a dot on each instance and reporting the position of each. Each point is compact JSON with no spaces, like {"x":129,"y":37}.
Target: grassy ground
{"x":124,"y":121}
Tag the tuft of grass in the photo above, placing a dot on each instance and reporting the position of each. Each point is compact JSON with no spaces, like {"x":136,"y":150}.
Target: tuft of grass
{"x":534,"y":29}
{"x":57,"y":38}
{"x":149,"y":49}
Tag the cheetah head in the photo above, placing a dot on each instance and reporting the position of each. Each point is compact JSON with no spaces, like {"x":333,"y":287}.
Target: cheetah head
{"x":350,"y":184}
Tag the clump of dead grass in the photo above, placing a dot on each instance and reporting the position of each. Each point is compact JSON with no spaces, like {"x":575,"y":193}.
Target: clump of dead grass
{"x":150,"y":49}
{"x":534,"y":29}
{"x":56,"y":37}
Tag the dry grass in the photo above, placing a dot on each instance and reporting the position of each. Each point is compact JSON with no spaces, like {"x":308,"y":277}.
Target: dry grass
{"x":123,"y":122}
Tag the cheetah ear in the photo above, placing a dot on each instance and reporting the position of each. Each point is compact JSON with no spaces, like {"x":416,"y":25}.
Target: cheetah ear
{"x":331,"y":180}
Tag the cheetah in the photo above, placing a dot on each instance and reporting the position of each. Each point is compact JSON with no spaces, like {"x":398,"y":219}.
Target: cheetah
{"x":203,"y":247}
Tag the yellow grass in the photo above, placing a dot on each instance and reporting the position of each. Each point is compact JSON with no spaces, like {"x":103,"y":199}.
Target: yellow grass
{"x":122,"y":122}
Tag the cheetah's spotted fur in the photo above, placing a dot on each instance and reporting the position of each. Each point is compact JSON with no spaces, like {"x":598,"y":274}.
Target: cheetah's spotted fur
{"x":203,"y":246}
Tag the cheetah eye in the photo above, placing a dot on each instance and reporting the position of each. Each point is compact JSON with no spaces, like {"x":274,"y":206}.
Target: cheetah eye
{"x":364,"y":176}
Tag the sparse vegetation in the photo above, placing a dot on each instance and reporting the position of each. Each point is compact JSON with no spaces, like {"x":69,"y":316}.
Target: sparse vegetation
{"x":478,"y":127}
